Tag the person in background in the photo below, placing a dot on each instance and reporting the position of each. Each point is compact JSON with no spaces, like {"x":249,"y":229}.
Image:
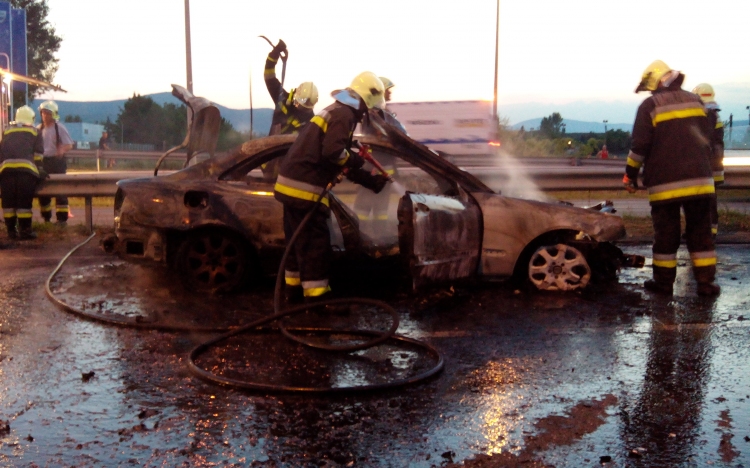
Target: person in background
{"x":671,"y":140}
{"x":57,"y":142}
{"x":372,"y":209}
{"x":104,"y":146}
{"x":604,"y":154}
{"x":20,"y":151}
{"x":706,"y":93}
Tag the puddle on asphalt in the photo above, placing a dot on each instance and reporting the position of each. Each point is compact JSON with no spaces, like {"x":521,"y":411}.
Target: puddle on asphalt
{"x":518,"y":365}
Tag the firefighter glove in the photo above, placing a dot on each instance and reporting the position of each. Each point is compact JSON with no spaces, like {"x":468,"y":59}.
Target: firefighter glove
{"x":355,"y":161}
{"x":42,"y":173}
{"x":367,"y":180}
{"x":280,"y":47}
{"x":631,"y":185}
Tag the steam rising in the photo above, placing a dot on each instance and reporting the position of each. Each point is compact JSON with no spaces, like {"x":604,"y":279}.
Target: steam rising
{"x":519,"y":184}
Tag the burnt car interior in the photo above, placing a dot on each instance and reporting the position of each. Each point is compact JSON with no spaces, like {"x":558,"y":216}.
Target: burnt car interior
{"x":363,"y":220}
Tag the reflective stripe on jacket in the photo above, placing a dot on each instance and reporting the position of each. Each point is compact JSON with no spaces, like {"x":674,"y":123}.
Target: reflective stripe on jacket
{"x":717,"y":142}
{"x":672,"y":141}
{"x":318,"y":155}
{"x":21,"y":149}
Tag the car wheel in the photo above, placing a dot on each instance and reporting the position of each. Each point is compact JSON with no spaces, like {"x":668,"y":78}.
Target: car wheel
{"x":211,"y":260}
{"x":559,"y":268}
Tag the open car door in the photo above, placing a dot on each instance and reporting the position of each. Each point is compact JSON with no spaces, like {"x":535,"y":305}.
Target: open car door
{"x":440,"y":237}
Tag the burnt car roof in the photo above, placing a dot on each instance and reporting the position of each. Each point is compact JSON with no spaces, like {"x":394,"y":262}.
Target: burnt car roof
{"x":411,"y":151}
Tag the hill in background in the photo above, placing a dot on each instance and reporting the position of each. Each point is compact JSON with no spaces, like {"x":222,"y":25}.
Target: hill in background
{"x":98,"y":111}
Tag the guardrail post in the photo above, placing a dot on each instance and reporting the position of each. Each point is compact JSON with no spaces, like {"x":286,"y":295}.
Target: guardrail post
{"x":89,"y":214}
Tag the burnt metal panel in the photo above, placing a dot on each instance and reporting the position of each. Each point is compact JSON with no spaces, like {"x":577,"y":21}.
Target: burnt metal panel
{"x":440,"y":237}
{"x":510,"y":224}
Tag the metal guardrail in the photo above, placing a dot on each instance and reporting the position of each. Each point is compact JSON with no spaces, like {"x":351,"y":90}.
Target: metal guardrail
{"x":563,"y":178}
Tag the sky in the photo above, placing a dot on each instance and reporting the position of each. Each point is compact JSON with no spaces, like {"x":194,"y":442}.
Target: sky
{"x":551,"y":52}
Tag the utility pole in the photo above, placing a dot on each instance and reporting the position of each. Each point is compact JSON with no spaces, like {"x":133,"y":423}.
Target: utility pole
{"x":605,"y":131}
{"x":497,"y":39}
{"x":188,"y":59}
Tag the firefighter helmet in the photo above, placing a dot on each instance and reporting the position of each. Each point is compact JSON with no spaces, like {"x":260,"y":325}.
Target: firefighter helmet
{"x":387,"y":84}
{"x":25,"y":115}
{"x":652,"y":75}
{"x":706,"y":92}
{"x":306,"y":94}
{"x":50,"y":106}
{"x":369,"y":87}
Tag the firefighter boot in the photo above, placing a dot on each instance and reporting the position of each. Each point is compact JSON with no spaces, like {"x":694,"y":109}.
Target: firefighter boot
{"x":708,"y":289}
{"x":24,"y":229}
{"x":658,"y":287}
{"x":10,"y":225}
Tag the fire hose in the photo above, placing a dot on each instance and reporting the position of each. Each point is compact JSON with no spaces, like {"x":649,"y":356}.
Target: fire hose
{"x":375,"y":337}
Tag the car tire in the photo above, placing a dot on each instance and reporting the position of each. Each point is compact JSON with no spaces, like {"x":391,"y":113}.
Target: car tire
{"x":212,"y":260}
{"x":558,"y":267}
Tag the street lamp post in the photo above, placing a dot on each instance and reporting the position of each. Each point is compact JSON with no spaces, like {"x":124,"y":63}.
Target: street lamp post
{"x":188,"y":58}
{"x":605,"y":131}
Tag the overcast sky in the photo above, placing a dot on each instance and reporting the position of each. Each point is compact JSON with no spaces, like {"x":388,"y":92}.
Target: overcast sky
{"x":550,"y":51}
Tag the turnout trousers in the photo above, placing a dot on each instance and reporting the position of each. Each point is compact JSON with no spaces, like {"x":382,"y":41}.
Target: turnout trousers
{"x":700,"y":243}
{"x":309,"y":261}
{"x":17,"y":187}
{"x":54,"y":165}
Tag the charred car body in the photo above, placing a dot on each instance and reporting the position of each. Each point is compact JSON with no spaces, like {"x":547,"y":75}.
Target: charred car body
{"x":217,"y":222}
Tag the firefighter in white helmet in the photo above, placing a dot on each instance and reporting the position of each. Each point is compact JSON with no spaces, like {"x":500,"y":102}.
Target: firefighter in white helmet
{"x":293,"y":109}
{"x":320,"y":153}
{"x":20,"y":152}
{"x":706,"y":93}
{"x":57,"y":142}
{"x":671,"y":140}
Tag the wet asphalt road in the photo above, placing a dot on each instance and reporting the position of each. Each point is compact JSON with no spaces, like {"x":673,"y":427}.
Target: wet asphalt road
{"x":614,"y":375}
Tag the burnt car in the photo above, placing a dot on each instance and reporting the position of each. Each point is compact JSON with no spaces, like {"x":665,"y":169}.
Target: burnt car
{"x":218,"y":224}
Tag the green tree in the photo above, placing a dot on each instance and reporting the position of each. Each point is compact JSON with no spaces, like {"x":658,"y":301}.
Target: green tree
{"x":42,"y":43}
{"x":142,"y":120}
{"x":72,"y":118}
{"x":551,"y":126}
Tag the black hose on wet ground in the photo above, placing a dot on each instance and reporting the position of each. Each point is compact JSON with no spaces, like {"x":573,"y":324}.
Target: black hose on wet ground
{"x":375,"y":337}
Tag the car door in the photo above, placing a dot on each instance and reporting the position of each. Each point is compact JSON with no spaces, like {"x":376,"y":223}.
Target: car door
{"x":439,"y":236}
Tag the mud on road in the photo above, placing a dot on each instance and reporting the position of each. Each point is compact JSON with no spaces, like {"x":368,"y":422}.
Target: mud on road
{"x":613,"y":376}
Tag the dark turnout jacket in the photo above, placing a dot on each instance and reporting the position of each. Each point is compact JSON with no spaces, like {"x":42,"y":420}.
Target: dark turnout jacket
{"x":672,"y":141}
{"x":318,"y":155}
{"x":21,"y":149}
{"x":287,"y":118}
{"x":717,"y":141}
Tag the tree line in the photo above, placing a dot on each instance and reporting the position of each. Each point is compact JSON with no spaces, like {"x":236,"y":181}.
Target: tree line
{"x":142,"y":120}
{"x":551,"y":139}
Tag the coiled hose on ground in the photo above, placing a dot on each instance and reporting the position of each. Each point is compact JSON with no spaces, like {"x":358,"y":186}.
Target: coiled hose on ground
{"x":375,"y":337}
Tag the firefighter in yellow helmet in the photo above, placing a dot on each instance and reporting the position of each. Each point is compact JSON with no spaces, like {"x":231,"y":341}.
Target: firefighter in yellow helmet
{"x":706,"y":93}
{"x":293,"y":109}
{"x":57,"y":142}
{"x":20,"y":152}
{"x":372,"y":209}
{"x":320,"y":153}
{"x":671,"y":140}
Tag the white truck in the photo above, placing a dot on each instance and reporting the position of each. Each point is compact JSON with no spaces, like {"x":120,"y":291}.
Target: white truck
{"x":454,"y":127}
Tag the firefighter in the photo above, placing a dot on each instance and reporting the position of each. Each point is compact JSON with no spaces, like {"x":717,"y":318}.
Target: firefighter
{"x":294,"y":109}
{"x":372,"y":209}
{"x":389,"y":116}
{"x":20,"y":152}
{"x":706,"y":92}
{"x":320,"y":153}
{"x":671,"y":140}
{"x":57,"y":142}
